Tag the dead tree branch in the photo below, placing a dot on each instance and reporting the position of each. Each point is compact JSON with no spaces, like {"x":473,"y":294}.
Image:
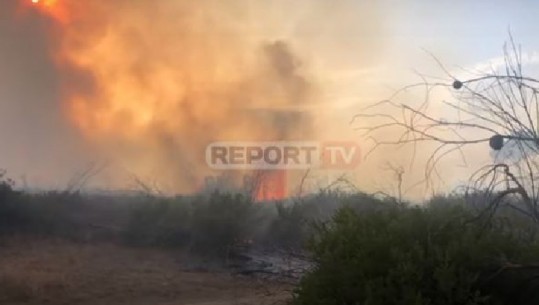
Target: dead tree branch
{"x":499,"y":109}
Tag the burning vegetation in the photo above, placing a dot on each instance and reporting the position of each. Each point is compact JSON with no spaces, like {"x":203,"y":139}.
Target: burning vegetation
{"x":149,"y":84}
{"x":152,"y":83}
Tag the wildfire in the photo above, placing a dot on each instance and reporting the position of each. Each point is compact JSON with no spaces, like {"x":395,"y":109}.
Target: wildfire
{"x":272,"y":185}
{"x":152,"y":83}
{"x":53,"y":8}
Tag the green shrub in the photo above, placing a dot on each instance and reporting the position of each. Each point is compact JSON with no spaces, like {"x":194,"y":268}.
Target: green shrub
{"x":220,"y":222}
{"x":12,"y":214}
{"x":52,"y":213}
{"x":208,"y":225}
{"x":38,"y":214}
{"x":404,"y":256}
{"x":160,"y":222}
{"x":289,"y":227}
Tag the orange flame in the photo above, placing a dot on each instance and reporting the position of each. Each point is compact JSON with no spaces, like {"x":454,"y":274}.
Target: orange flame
{"x":53,"y":8}
{"x":272,"y":186}
{"x":151,"y":83}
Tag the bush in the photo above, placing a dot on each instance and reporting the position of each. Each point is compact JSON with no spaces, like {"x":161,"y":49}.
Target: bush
{"x":289,"y":227}
{"x":36,"y":214}
{"x":208,"y":225}
{"x":220,"y":222}
{"x":160,"y":222}
{"x":12,"y":215}
{"x":407,"y":256}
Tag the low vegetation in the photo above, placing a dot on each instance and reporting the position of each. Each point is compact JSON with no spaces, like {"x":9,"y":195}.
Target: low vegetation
{"x":365,"y":249}
{"x":440,"y":254}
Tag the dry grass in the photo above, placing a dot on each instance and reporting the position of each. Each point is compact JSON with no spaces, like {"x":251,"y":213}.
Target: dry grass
{"x":60,"y":272}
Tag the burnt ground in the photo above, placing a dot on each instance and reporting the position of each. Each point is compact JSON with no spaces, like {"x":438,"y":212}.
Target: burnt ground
{"x":47,"y":271}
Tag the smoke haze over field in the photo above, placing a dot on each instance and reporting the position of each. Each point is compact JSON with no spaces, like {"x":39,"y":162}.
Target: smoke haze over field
{"x":146,"y":85}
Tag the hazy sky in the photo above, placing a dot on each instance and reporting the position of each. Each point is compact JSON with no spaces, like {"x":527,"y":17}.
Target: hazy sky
{"x":357,"y":52}
{"x":459,"y":33}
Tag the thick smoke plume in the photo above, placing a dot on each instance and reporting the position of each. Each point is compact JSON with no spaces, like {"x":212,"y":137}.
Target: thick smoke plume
{"x":148,"y":84}
{"x":156,"y":81}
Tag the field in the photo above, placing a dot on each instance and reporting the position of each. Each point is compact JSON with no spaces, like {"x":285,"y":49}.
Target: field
{"x":324,"y":249}
{"x":53,"y":271}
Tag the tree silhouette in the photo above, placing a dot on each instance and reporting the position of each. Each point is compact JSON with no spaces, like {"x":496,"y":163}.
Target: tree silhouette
{"x":497,"y":109}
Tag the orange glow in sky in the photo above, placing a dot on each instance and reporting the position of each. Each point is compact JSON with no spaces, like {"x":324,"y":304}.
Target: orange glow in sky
{"x":54,"y":8}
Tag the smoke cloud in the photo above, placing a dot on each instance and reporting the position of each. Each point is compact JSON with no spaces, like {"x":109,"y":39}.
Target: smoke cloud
{"x":148,"y":84}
